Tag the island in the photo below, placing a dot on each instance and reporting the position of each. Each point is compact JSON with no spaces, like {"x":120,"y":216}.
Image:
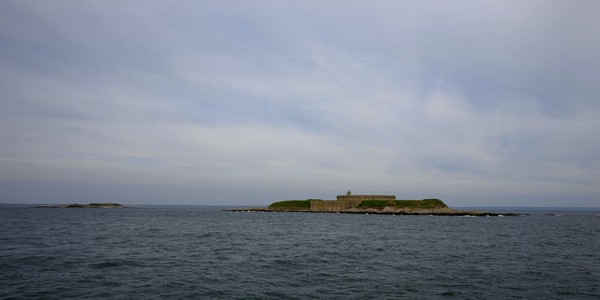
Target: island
{"x":371,"y":204}
{"x":90,"y":205}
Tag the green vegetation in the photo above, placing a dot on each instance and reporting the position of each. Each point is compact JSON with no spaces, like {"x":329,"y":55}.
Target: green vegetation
{"x":103,"y":204}
{"x":72,"y":205}
{"x":292,"y":204}
{"x":377,"y":204}
{"x":91,"y":205}
{"x":425,"y":203}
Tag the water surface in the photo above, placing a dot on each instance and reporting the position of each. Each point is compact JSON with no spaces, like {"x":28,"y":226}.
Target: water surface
{"x":202,"y":252}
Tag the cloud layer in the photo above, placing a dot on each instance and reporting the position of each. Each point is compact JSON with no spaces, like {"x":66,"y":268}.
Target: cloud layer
{"x":222,"y":102}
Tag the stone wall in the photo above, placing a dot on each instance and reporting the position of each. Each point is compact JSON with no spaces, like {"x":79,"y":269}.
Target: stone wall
{"x":366,"y":197}
{"x":345,"y":202}
{"x":334,"y":205}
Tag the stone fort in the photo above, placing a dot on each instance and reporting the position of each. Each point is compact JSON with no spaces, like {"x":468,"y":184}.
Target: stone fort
{"x":349,"y":196}
{"x":347,"y":201}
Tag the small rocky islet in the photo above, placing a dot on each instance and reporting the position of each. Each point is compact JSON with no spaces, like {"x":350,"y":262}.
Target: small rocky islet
{"x":372,"y":204}
{"x":76,"y":205}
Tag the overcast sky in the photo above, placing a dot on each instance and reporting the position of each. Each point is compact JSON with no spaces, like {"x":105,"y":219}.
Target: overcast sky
{"x":478,"y":103}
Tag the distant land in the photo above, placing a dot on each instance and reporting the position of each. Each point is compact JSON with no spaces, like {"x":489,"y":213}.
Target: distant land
{"x":90,"y":205}
{"x":372,"y":204}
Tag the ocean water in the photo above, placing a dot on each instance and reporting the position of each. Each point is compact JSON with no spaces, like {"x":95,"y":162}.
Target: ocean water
{"x":206,"y":253}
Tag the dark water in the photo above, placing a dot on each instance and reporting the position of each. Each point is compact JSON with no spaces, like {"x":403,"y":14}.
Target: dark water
{"x":204,"y":253}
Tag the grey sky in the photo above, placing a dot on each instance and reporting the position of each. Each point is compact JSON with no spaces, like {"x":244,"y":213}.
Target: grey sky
{"x":248,"y":102}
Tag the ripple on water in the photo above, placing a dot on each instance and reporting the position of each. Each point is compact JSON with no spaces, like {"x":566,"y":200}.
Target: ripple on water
{"x":198,"y":253}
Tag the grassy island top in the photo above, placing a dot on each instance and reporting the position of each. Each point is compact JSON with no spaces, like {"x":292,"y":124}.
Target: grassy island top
{"x":94,"y":205}
{"x":425,"y":203}
{"x":376,"y":204}
{"x":292,"y":204}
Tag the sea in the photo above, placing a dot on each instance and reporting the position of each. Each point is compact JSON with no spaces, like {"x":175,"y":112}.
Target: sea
{"x":203,"y":252}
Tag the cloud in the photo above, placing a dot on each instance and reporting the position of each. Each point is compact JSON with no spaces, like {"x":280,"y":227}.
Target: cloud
{"x":463,"y":101}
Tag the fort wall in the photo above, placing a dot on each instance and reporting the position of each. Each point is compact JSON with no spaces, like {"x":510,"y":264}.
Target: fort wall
{"x":366,"y":197}
{"x":345,"y":202}
{"x":334,"y":205}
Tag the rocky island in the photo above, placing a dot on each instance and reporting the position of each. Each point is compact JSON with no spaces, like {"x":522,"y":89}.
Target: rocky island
{"x":90,"y":205}
{"x":371,"y":204}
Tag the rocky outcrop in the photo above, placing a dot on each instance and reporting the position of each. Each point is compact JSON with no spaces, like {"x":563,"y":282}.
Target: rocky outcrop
{"x":388,"y":211}
{"x":371,"y":204}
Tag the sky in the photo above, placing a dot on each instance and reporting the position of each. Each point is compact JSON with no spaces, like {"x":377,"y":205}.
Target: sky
{"x":478,"y":103}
